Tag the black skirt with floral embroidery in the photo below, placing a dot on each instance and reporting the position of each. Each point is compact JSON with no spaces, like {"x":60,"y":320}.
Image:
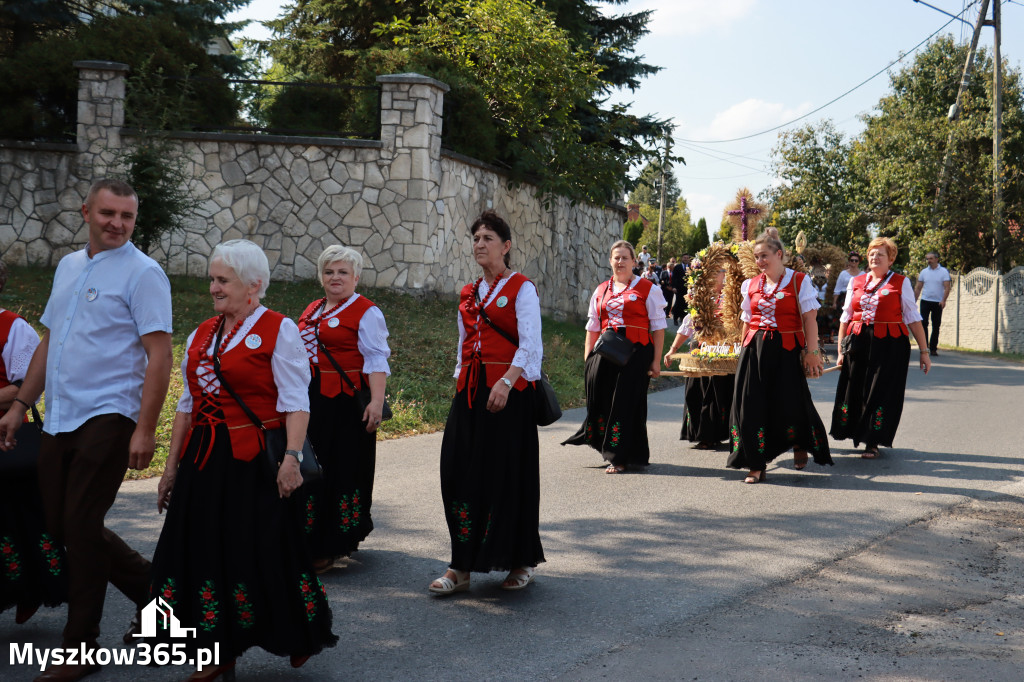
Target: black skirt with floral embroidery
{"x":772,"y":410}
{"x":33,"y":567}
{"x":616,"y":421}
{"x":706,"y":406}
{"x":490,"y":481}
{"x":336,"y":508}
{"x":231,"y":560}
{"x":871,"y":388}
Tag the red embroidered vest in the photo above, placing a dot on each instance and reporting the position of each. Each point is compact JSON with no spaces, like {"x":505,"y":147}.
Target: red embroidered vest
{"x":787,"y":313}
{"x":889,"y":313}
{"x":249,"y":372}
{"x":7,"y":319}
{"x":634,"y":310}
{"x":495,"y":352}
{"x":342,"y":342}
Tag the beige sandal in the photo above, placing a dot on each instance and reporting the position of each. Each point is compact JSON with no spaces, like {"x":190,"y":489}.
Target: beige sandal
{"x":518,"y":578}
{"x":445,"y":585}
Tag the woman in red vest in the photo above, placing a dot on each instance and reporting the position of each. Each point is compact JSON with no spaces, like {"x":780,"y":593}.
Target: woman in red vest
{"x":351,"y":330}
{"x":33,"y":570}
{"x":490,"y":455}
{"x":230,"y":560}
{"x":616,"y":421}
{"x":772,"y":409}
{"x":874,"y":352}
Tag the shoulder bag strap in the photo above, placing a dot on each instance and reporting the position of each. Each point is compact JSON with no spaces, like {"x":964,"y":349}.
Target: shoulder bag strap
{"x":501,"y":332}
{"x":337,"y":367}
{"x":225,"y":385}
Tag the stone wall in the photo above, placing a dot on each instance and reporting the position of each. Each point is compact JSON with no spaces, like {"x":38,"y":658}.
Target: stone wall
{"x":400,"y":200}
{"x":985,"y":311}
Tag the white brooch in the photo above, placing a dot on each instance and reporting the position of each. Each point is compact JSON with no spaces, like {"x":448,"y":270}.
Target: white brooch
{"x":779,"y":295}
{"x":632,"y":297}
{"x":502,"y":301}
{"x":883,"y":292}
{"x":253,"y":341}
{"x":333,"y":322}
{"x":91,"y":294}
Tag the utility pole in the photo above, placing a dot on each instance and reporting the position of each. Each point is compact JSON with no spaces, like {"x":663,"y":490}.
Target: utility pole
{"x":954,"y":111}
{"x":997,"y":140}
{"x":661,"y":211}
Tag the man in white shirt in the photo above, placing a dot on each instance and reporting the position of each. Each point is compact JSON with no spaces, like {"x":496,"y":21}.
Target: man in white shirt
{"x":105,"y":360}
{"x":644,"y":257}
{"x":933,"y":289}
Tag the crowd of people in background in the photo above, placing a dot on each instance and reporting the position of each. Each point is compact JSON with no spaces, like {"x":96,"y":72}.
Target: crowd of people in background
{"x":269,"y":476}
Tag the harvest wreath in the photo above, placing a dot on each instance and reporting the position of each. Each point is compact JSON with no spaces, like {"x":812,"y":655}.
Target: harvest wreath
{"x":717,"y":327}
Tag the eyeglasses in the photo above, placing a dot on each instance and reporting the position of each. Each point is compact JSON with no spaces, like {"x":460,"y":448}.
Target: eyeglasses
{"x":855,"y":260}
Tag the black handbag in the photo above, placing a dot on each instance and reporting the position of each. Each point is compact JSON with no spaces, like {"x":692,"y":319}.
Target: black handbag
{"x":614,"y":347}
{"x":363,"y":396}
{"x":548,"y":411}
{"x":23,"y":458}
{"x":275,"y":441}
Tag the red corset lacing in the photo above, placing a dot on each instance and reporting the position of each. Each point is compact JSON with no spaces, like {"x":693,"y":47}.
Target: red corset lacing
{"x":208,"y":413}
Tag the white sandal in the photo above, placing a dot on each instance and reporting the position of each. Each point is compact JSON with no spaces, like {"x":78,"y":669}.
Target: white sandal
{"x":445,"y":585}
{"x":519,"y":577}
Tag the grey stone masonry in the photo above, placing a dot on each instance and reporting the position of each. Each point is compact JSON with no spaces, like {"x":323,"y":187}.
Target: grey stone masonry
{"x":401,"y":201}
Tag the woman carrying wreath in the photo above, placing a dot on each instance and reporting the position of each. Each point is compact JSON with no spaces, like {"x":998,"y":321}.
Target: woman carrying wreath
{"x":616,"y":421}
{"x":708,"y":399}
{"x":874,"y":352}
{"x":490,"y":453}
{"x":772,"y":409}
{"x":230,"y":559}
{"x":346,"y":329}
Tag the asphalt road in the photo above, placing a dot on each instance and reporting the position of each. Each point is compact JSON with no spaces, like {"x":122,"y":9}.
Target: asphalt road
{"x":683,"y":572}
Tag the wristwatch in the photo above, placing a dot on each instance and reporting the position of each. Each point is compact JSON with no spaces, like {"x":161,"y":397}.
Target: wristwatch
{"x":507,"y":382}
{"x":297,"y":454}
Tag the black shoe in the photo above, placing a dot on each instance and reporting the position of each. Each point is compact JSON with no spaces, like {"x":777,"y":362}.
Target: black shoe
{"x":933,"y":353}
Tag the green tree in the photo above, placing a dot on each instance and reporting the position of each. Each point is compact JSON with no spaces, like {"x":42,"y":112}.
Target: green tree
{"x":632,"y":230}
{"x":160,"y":177}
{"x":699,"y":239}
{"x":39,"y":85}
{"x":338,"y":41}
{"x":531,"y":76}
{"x":818,"y":191}
{"x":647,"y":189}
{"x":677,"y":234}
{"x":898,"y":158}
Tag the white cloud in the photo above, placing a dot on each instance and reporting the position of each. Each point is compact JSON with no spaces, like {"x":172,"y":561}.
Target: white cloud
{"x":749,"y":116}
{"x":686,"y":17}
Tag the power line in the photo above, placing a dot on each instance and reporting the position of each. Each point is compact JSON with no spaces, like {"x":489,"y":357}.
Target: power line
{"x":833,"y":101}
{"x":720,"y":158}
{"x":723,"y":177}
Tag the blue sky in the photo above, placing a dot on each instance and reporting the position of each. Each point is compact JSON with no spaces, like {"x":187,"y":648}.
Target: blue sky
{"x":736,"y":67}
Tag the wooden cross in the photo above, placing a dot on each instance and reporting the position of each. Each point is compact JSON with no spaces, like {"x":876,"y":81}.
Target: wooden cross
{"x":743,"y":212}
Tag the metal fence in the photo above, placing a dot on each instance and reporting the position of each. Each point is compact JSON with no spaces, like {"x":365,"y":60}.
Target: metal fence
{"x":277,"y":107}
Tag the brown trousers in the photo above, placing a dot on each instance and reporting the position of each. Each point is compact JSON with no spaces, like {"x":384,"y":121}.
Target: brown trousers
{"x":79,"y":475}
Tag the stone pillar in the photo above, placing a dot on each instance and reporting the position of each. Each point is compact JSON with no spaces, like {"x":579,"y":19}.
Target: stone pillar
{"x":100,"y":113}
{"x":410,"y":132}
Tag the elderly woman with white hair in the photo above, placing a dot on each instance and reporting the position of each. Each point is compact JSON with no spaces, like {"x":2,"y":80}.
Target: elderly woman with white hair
{"x":230,"y":560}
{"x":346,"y":342}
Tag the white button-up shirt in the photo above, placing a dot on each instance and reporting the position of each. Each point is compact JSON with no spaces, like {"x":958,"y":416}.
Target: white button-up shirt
{"x":99,"y":308}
